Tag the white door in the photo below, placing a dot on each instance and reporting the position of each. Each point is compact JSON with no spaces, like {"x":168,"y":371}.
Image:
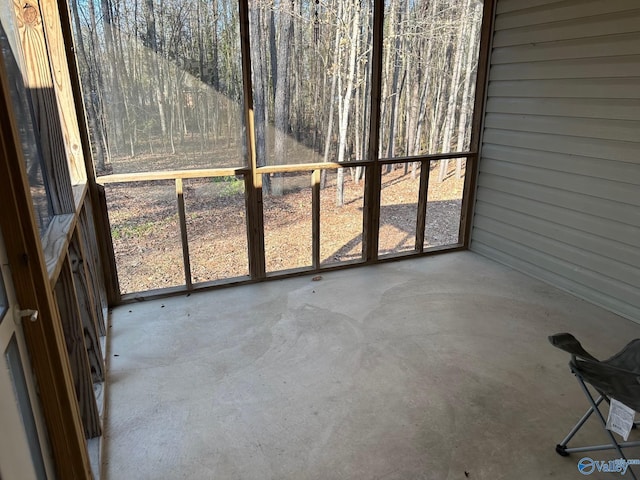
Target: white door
{"x":23,"y":453}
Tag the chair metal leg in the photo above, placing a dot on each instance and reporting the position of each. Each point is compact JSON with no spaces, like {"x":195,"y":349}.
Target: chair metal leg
{"x":578,"y":426}
{"x":561,"y":448}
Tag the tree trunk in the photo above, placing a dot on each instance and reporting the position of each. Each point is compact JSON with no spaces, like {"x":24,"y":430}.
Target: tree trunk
{"x":332,"y":96}
{"x":454,"y":87}
{"x":283,"y":89}
{"x":99,"y":154}
{"x":395,"y":92}
{"x":346,"y":102}
{"x":258,"y":80}
{"x":154,"y":61}
{"x":467,"y":97}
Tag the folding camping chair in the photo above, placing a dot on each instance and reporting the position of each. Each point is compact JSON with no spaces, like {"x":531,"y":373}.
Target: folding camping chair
{"x":617,"y":378}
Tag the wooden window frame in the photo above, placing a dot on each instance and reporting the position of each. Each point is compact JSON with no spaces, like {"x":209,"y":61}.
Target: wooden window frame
{"x":253,"y":175}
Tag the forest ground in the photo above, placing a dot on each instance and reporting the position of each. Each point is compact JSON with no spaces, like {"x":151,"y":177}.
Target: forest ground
{"x":146,"y":233}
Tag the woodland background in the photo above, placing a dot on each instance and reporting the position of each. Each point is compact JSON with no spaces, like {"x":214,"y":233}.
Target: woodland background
{"x":163,"y":89}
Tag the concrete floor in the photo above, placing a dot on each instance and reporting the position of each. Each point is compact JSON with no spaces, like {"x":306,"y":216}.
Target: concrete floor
{"x":437,"y":368}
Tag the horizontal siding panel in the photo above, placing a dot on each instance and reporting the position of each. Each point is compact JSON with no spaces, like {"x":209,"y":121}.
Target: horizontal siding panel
{"x":624,"y":130}
{"x":625,"y":275}
{"x":617,"y":45}
{"x":619,"y":151}
{"x":567,"y":88}
{"x":575,"y":215}
{"x":551,"y":276}
{"x":601,"y":246}
{"x":587,"y":277}
{"x":588,"y":67}
{"x":532,"y":14}
{"x":507,"y":6}
{"x":615,"y":109}
{"x":593,"y":167}
{"x":558,"y":191}
{"x":599,"y":26}
{"x":615,"y":192}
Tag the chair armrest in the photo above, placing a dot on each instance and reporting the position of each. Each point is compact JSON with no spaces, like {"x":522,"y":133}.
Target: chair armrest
{"x":568,"y":343}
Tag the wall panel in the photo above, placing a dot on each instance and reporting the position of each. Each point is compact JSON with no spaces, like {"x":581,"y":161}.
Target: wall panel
{"x":558,"y":192}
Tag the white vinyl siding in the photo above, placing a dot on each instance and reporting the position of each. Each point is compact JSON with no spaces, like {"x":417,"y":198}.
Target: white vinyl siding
{"x":559,"y":180}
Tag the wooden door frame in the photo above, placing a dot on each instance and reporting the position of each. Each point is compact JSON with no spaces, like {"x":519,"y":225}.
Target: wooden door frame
{"x":44,"y":337}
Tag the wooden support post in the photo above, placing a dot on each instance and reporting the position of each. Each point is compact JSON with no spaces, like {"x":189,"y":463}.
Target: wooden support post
{"x":183,"y":234}
{"x":92,"y":262}
{"x":253,"y":182}
{"x":423,"y":197}
{"x":84,"y":294}
{"x":371,"y":214}
{"x":75,"y":341}
{"x":482,"y":79}
{"x":315,"y":218}
{"x":108,"y":258}
{"x":255,"y":226}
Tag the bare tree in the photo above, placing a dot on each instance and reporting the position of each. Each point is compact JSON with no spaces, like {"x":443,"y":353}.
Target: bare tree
{"x":283,"y":86}
{"x":344,"y":99}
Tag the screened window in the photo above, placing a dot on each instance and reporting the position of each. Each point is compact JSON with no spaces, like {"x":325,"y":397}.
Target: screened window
{"x":162,"y":83}
{"x":358,"y":114}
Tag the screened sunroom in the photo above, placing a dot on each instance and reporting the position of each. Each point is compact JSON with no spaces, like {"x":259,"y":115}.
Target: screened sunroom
{"x":311,"y":239}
